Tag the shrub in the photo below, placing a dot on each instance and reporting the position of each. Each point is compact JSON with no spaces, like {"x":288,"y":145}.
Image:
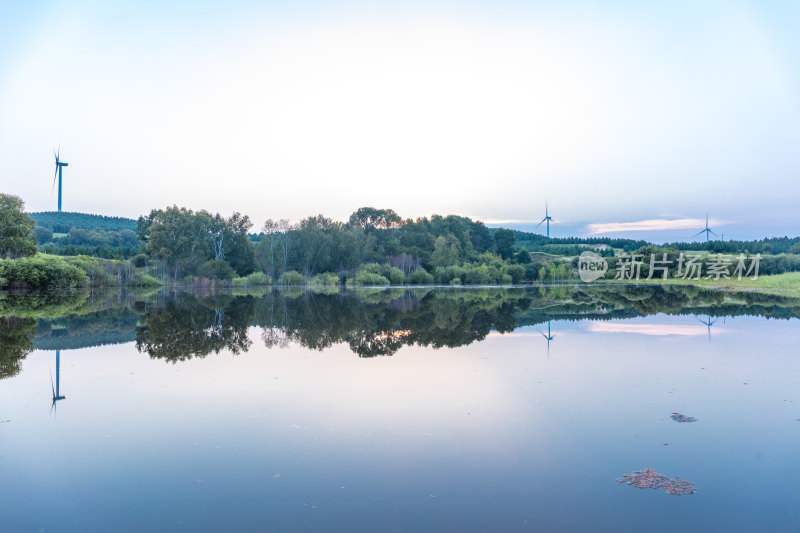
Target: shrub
{"x":145,"y":281}
{"x":42,"y":272}
{"x":43,"y":234}
{"x":139,"y":260}
{"x":372,"y":268}
{"x":480,"y":275}
{"x":257,"y":278}
{"x":446,"y":274}
{"x":396,"y":276}
{"x":292,"y":277}
{"x":325,"y":280}
{"x":517,"y":272}
{"x":216,"y":269}
{"x":532,"y":271}
{"x":364,"y":277}
{"x":420,"y":277}
{"x":455,"y":281}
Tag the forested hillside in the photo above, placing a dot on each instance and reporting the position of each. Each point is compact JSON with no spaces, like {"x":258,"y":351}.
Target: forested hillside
{"x":85,"y":234}
{"x":63,"y":222}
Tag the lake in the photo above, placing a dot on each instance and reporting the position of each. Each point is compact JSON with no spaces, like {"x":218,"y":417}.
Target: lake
{"x":400,"y":410}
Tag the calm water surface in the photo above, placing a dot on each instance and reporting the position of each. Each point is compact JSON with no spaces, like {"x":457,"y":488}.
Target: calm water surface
{"x":402,"y":412}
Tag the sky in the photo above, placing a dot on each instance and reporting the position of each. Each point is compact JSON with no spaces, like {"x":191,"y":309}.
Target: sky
{"x":629,"y":118}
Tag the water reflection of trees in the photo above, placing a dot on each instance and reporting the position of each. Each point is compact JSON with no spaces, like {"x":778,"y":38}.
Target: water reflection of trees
{"x":185,"y":326}
{"x":375,"y":326}
{"x":372,"y":323}
{"x":15,"y":343}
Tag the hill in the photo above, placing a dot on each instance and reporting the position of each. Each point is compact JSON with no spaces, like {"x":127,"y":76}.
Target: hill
{"x":63,"y":222}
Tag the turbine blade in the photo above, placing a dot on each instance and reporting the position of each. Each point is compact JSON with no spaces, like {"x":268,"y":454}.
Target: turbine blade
{"x":540,"y":222}
{"x":51,"y":385}
{"x":698,"y":233}
{"x":713,"y":232}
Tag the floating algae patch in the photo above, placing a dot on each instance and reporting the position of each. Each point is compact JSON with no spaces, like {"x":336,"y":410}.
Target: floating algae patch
{"x":677,"y":417}
{"x":650,"y":479}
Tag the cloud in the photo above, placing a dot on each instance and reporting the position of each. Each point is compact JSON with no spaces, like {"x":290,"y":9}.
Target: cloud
{"x":647,"y":329}
{"x":656,"y":224}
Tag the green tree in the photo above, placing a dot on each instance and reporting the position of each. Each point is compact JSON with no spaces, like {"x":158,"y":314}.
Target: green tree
{"x":268,"y":249}
{"x":216,"y":269}
{"x":43,"y":234}
{"x":445,"y":251}
{"x":504,"y":239}
{"x":178,"y":236}
{"x":371,"y":218}
{"x":16,"y":229}
{"x":230,"y":242}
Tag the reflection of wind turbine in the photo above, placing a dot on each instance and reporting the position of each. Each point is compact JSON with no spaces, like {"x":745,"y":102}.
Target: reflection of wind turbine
{"x":59,"y":166}
{"x":708,"y":324}
{"x":547,"y":218}
{"x":549,"y":337}
{"x":707,"y":230}
{"x":56,"y":390}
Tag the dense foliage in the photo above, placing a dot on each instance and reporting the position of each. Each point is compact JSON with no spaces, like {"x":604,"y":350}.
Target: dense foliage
{"x":772,"y":245}
{"x":374,"y":247}
{"x":121,"y":244}
{"x":318,"y":244}
{"x":41,"y":272}
{"x":185,"y":241}
{"x":15,"y":343}
{"x":16,"y":238}
{"x":533,"y":242}
{"x":63,"y":222}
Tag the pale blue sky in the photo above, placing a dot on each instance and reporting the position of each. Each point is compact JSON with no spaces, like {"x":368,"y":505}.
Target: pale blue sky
{"x":614,"y":111}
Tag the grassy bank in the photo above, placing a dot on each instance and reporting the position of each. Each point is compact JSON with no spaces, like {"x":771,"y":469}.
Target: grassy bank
{"x":788,"y":282}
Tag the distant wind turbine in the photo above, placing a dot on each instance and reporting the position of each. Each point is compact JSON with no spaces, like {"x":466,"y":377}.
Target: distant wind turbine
{"x":56,"y":389}
{"x":549,"y":337}
{"x":59,"y":166}
{"x":707,"y":230}
{"x":547,"y":218}
{"x":708,"y":324}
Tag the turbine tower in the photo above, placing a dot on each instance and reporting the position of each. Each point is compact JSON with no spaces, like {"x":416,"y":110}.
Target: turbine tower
{"x":57,"y":389}
{"x":59,"y":166}
{"x":549,"y":337}
{"x":547,"y":218}
{"x":707,"y":230}
{"x":708,"y":323}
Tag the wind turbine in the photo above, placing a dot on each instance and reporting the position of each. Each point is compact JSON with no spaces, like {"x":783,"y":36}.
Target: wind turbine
{"x":708,"y":323}
{"x":547,"y":218}
{"x":707,"y":230}
{"x":549,"y":337}
{"x":56,"y":390}
{"x":59,"y":166}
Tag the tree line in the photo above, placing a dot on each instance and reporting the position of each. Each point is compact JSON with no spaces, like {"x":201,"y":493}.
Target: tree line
{"x":374,"y":247}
